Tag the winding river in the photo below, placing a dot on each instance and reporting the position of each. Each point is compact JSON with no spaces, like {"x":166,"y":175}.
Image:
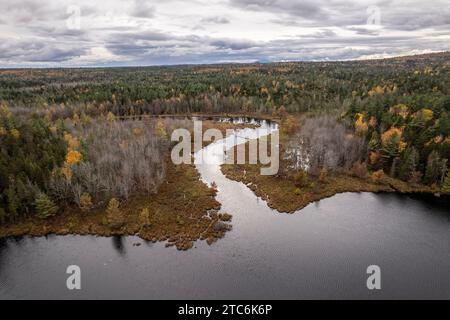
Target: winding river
{"x":322,"y":251}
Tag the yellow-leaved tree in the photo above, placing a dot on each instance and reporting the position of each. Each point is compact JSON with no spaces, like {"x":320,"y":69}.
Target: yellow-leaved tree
{"x":15,"y":133}
{"x":361,"y":126}
{"x":424,"y":115}
{"x":73,"y":157}
{"x":110,"y":117}
{"x":391,"y":142}
{"x":161,"y":129}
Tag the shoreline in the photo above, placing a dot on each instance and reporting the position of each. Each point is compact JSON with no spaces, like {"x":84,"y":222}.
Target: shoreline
{"x":173,"y":215}
{"x":183,"y":210}
{"x":283,"y":195}
{"x":292,"y":207}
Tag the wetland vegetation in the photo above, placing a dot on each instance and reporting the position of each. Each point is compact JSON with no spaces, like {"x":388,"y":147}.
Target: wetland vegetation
{"x":86,"y":151}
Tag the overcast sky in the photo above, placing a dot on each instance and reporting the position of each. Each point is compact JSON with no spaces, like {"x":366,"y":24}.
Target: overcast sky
{"x":148,"y":32}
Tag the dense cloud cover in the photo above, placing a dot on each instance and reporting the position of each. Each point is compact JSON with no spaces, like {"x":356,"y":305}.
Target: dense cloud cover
{"x":150,"y":32}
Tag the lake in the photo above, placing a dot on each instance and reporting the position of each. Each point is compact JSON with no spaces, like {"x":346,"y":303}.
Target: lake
{"x":321,"y":251}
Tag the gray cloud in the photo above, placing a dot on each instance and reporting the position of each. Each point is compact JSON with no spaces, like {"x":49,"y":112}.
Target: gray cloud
{"x":143,"y":9}
{"x":306,"y":9}
{"x":232,"y":44}
{"x":148,"y":35}
{"x":364,"y":31}
{"x":37,"y":51}
{"x":324,"y":45}
{"x":395,"y":14}
{"x":34,"y":33}
{"x":216,"y":20}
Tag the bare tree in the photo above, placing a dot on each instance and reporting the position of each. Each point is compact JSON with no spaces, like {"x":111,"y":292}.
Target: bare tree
{"x":121,"y":158}
{"x":322,"y":142}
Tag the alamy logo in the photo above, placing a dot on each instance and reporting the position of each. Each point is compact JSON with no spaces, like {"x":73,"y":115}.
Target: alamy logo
{"x":258,"y":148}
{"x":73,"y":22}
{"x":74,"y":280}
{"x":374,"y":280}
{"x":374,"y":16}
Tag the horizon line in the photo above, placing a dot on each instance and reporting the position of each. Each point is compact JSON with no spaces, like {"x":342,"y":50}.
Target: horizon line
{"x":228,"y":63}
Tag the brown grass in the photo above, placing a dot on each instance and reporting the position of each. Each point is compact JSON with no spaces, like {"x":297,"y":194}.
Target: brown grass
{"x":178,"y":215}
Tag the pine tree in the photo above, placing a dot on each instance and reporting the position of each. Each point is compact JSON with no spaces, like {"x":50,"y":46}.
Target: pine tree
{"x":391,"y":143}
{"x":436,"y":168}
{"x":409,"y":163}
{"x":13,"y":201}
{"x":2,"y":215}
{"x":374,"y":142}
{"x":110,"y":117}
{"x":144,"y":217}
{"x":85,"y":202}
{"x":45,"y":207}
{"x":114,"y":217}
{"x":446,"y":184}
{"x":113,"y":207}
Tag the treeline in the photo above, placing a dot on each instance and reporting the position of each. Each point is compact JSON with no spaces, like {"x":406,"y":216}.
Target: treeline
{"x":258,"y":88}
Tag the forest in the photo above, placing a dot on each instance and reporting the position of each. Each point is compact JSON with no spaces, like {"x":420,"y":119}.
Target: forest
{"x":76,"y":137}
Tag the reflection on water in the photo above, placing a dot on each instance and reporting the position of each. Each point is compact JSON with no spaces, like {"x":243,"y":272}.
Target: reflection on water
{"x":3,"y":253}
{"x":322,"y":251}
{"x":117,"y":242}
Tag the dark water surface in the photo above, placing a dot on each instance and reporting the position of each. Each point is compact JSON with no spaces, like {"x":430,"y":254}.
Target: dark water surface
{"x":322,"y":251}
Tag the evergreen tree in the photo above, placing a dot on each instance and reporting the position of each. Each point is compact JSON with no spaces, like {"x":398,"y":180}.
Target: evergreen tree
{"x":436,"y":168}
{"x":45,"y":207}
{"x":114,"y":216}
{"x":446,"y":184}
{"x":27,"y":157}
{"x":374,"y":142}
{"x":409,"y":163}
{"x":391,"y":145}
